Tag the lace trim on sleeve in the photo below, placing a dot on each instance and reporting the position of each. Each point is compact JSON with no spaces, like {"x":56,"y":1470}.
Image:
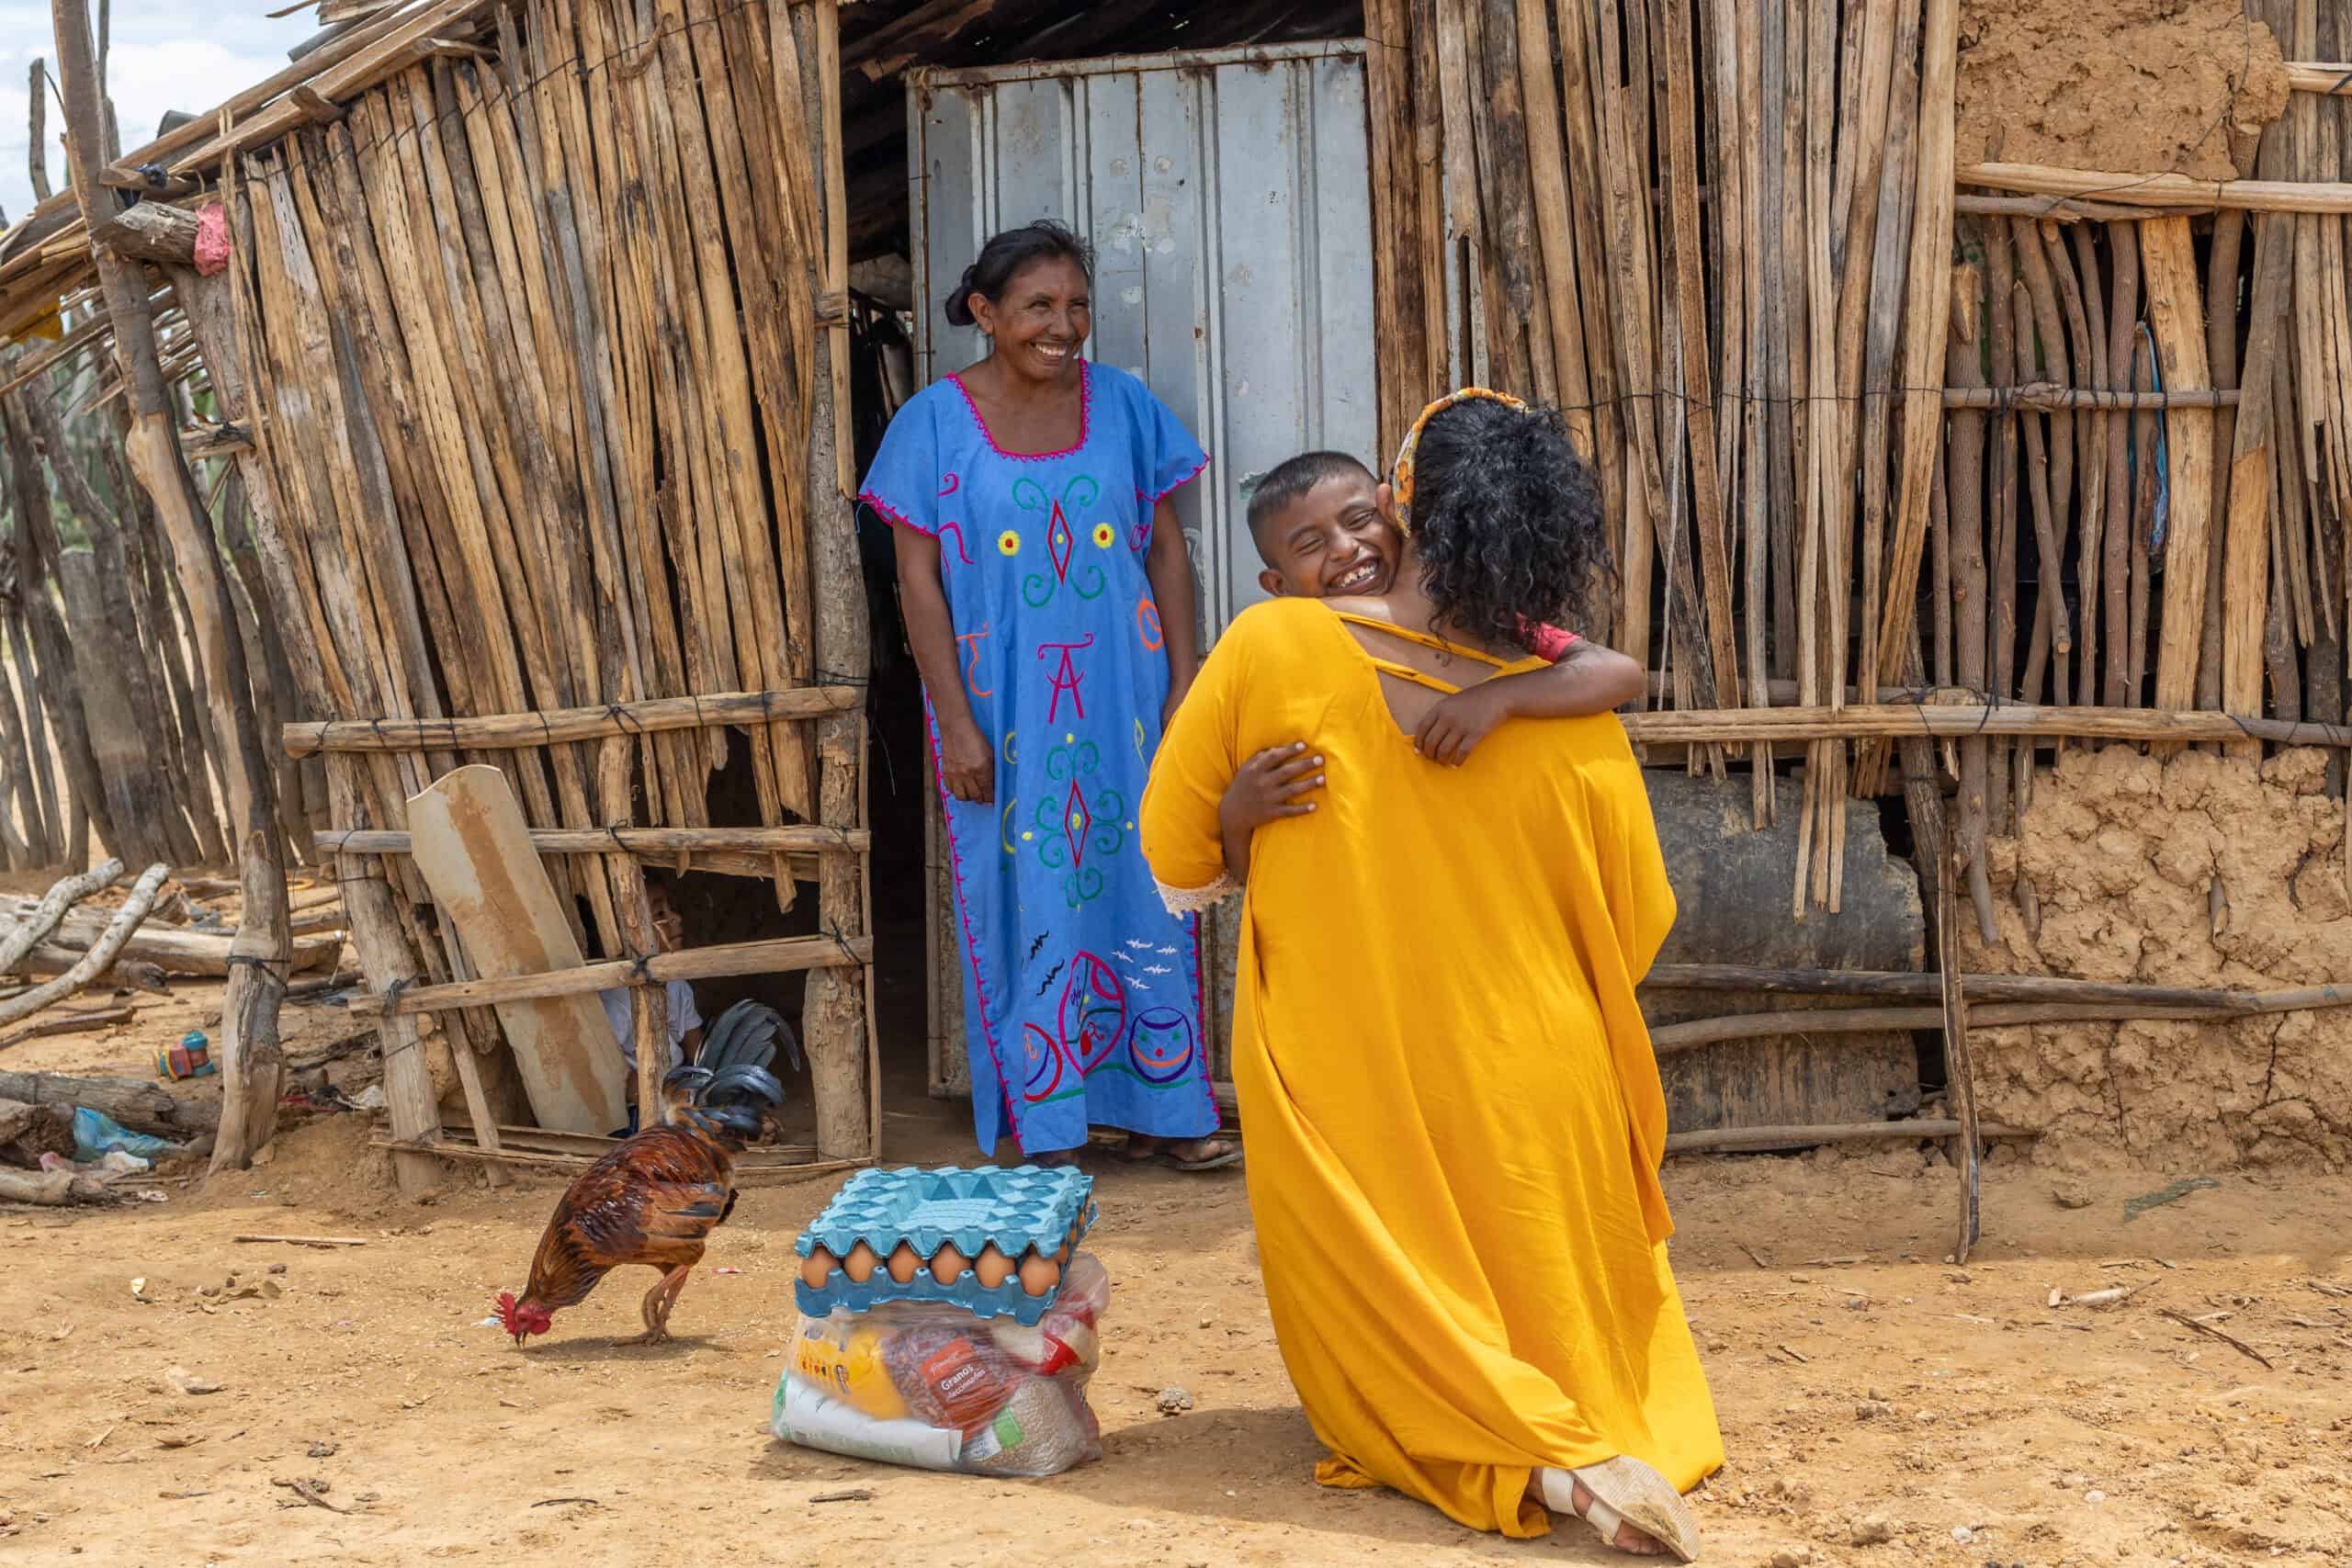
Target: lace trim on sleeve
{"x":1193,"y":900}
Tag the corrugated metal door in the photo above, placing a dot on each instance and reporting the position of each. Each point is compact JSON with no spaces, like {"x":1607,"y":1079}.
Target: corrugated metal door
{"x":1227,"y":195}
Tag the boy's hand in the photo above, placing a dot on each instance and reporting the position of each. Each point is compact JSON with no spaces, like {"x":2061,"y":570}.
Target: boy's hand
{"x":1450,"y":731}
{"x":1271,"y":786}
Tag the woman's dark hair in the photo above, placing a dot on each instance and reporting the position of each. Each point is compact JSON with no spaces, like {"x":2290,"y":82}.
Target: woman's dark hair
{"x":1005,"y":257}
{"x":1507,"y":521}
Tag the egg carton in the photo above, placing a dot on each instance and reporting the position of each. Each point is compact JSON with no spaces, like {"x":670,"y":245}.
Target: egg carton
{"x":1034,"y":1218}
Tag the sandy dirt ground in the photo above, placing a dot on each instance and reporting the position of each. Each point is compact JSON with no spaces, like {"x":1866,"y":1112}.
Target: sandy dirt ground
{"x":1879,"y":1406}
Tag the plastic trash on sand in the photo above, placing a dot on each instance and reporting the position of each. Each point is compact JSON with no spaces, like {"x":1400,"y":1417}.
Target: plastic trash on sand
{"x":97,"y":1135}
{"x":932,"y":1387}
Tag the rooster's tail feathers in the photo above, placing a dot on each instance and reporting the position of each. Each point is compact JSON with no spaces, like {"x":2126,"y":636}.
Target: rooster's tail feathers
{"x":747,"y":1035}
{"x":739,"y":1084}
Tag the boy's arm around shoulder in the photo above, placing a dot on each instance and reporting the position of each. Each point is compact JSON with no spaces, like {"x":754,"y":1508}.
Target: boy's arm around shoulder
{"x":1589,"y":679}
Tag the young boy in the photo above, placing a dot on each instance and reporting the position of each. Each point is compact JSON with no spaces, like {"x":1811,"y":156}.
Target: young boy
{"x":1326,"y":528}
{"x":620,"y":1006}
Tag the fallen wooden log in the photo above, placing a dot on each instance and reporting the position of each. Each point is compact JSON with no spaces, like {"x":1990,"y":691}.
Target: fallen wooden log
{"x":319,"y":922}
{"x":53,"y":1187}
{"x":101,"y":955}
{"x":42,"y":919}
{"x":67,"y":1023}
{"x":29,"y":1132}
{"x":141,"y":1107}
{"x":138,"y":974}
{"x":181,"y":951}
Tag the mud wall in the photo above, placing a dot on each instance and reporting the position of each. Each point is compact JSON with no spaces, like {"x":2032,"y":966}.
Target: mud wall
{"x":2137,"y":86}
{"x":2123,"y":853}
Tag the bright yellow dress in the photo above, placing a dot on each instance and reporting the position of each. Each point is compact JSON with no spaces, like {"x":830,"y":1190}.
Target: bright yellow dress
{"x":1448,"y":1096}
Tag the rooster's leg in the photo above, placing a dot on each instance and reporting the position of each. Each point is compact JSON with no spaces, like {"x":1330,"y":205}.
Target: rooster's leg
{"x":658,"y":1302}
{"x":671,"y":1286}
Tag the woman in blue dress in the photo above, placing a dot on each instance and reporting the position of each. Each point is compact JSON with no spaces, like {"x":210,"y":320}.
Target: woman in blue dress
{"x":1049,"y":599}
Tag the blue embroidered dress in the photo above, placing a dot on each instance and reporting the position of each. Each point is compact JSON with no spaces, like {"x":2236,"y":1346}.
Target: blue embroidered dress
{"x":1082,"y":996}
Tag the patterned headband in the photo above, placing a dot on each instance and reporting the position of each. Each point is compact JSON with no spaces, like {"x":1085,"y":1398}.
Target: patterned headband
{"x":1401,"y":477}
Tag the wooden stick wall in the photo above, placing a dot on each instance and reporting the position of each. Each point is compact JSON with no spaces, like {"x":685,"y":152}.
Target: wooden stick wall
{"x":1717,"y":233}
{"x":1866,"y":420}
{"x":533,"y":336}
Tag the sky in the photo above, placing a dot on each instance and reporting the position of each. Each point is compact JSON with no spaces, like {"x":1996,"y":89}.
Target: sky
{"x":167,"y":54}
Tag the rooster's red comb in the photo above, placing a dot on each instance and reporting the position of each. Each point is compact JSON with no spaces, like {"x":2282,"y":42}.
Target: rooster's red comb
{"x":506,"y":1310}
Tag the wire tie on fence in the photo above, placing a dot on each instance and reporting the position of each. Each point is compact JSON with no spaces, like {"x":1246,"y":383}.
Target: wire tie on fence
{"x":391,"y":997}
{"x":263,"y":966}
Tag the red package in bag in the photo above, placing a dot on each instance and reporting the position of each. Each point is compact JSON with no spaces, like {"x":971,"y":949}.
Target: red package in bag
{"x":948,"y":1377}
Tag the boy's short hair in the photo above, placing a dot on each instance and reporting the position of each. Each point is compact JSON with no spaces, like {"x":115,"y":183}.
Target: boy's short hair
{"x":1287,"y":483}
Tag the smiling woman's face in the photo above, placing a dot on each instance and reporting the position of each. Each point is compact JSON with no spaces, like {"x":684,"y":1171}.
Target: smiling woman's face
{"x":1038,"y":323}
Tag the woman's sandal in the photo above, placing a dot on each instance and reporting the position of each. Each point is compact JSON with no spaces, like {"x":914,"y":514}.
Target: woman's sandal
{"x":1162,"y":1151}
{"x":1623,"y":1491}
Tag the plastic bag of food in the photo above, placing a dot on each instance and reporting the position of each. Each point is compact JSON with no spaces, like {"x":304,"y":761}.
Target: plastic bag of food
{"x":934,"y":1388}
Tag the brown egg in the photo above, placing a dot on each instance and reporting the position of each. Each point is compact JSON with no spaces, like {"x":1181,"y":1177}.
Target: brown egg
{"x":993,"y":1266}
{"x":904,"y":1261}
{"x":816,"y":1269}
{"x":1061,"y":1254}
{"x":861,"y":1263}
{"x":1039,"y":1275}
{"x":947,"y":1265}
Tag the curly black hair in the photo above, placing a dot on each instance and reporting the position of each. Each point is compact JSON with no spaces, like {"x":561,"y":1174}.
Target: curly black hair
{"x":1007,"y":256}
{"x":1506,"y":521}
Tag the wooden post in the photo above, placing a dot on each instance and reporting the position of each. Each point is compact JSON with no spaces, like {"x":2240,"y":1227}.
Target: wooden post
{"x":251,"y":1062}
{"x":2176,"y":311}
{"x":1960,"y":1072}
{"x":835,"y":1025}
{"x":649,"y":1000}
{"x":385,"y":958}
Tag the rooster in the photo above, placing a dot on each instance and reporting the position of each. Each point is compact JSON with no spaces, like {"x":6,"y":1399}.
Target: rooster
{"x":655,"y":1198}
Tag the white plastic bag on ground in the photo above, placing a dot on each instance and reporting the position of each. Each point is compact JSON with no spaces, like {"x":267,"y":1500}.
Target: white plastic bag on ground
{"x":934,"y":1388}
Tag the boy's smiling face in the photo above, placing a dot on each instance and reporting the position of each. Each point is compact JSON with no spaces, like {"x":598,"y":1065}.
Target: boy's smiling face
{"x":1339,"y":540}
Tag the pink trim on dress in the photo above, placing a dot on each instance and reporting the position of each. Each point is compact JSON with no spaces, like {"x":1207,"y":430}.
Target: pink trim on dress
{"x":972,"y":939}
{"x":1085,"y":417}
{"x":893,"y":515}
{"x":1197,"y":469}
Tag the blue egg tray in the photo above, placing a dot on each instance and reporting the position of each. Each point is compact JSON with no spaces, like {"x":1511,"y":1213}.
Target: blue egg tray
{"x":1015,"y":1209}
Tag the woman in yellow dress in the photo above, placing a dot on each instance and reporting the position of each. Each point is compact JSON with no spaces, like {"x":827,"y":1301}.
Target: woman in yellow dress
{"x":1454,"y":1121}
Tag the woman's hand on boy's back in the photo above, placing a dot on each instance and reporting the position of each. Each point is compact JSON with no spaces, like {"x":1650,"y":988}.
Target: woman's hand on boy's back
{"x":1271,"y":786}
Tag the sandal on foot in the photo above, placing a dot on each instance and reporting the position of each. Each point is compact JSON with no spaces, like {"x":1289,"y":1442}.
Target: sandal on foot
{"x":1056,"y":1159}
{"x":1155,"y":1151}
{"x":1623,"y":1491}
